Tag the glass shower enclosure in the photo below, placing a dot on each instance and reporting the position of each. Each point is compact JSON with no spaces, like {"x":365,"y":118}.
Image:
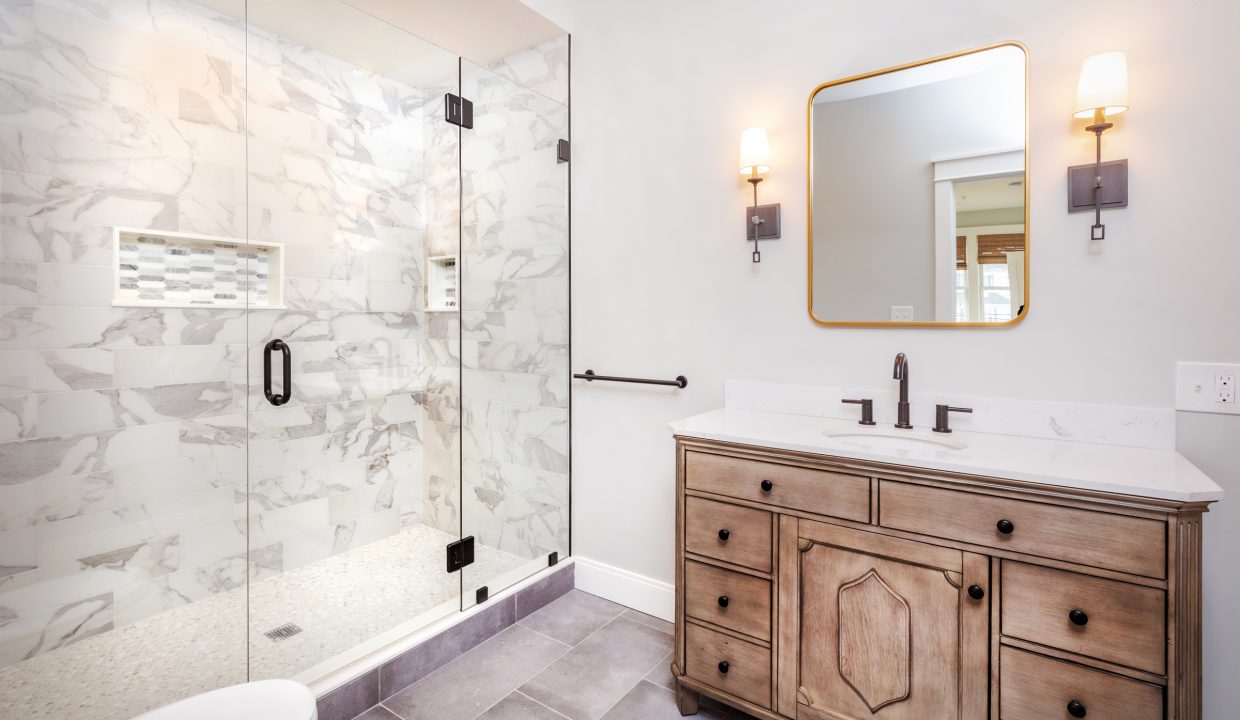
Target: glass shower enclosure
{"x":273,"y":335}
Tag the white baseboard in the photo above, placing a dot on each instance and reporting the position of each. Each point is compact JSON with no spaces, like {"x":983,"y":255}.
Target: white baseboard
{"x":653,"y":597}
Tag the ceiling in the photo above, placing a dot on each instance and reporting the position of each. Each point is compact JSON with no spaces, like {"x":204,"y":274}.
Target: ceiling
{"x":996,"y":193}
{"x":406,"y":39}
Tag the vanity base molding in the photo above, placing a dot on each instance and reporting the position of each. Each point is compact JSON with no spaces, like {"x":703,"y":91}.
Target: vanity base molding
{"x":827,"y":588}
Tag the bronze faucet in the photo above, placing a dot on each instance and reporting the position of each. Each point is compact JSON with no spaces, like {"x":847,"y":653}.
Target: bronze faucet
{"x":901,"y":374}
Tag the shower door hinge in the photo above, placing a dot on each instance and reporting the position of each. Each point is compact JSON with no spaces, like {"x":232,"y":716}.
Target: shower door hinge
{"x":481,"y":595}
{"x":553,"y":559}
{"x":458,"y":111}
{"x":460,"y":553}
{"x":562,"y":154}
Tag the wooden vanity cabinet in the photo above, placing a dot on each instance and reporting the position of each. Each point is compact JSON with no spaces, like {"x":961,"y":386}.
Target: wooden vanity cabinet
{"x":821,"y":588}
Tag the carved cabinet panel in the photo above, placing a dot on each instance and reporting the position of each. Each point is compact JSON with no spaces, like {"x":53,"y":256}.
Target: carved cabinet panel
{"x":886,"y":626}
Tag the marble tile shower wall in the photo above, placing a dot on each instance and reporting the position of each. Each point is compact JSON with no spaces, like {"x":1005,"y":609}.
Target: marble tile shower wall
{"x":514,"y":343}
{"x":123,"y":431}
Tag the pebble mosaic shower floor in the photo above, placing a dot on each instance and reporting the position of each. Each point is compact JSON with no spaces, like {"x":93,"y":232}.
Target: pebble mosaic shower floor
{"x":338,"y":603}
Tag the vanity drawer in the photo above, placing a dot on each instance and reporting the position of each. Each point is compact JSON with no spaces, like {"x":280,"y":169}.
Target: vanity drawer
{"x":1109,"y":620}
{"x":1033,"y":687}
{"x":729,"y":599}
{"x":730,"y":533}
{"x":733,"y":666}
{"x":817,"y":491}
{"x":1099,"y":539}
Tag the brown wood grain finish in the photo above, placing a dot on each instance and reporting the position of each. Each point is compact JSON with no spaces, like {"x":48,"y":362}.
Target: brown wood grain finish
{"x":788,"y":628}
{"x":821,"y":636}
{"x":825,"y":493}
{"x":1033,"y":687}
{"x":748,"y":533}
{"x":748,"y":673}
{"x":920,"y":553}
{"x":894,"y":646}
{"x":1184,"y":613}
{"x":975,"y":639}
{"x":1119,"y":542}
{"x":728,"y":599}
{"x":1124,"y":624}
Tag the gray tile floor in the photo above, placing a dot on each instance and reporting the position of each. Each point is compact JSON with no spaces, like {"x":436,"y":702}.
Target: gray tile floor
{"x":580,"y":658}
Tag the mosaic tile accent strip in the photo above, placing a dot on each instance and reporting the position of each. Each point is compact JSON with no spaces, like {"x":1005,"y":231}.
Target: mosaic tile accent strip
{"x":176,"y":270}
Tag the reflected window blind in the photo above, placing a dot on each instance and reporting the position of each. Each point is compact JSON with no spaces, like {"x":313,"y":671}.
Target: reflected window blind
{"x":960,"y":245}
{"x":993,"y":249}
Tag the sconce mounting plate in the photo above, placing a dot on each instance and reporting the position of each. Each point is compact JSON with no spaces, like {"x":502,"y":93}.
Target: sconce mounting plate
{"x":769,"y":228}
{"x":1114,"y":186}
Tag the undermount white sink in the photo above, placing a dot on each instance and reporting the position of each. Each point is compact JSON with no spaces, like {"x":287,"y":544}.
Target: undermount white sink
{"x":879,"y":441}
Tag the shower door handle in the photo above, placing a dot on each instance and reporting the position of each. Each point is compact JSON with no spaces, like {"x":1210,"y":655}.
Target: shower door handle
{"x":282,"y":346}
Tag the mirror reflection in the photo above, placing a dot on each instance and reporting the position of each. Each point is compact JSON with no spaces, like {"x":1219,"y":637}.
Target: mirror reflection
{"x":918,"y":193}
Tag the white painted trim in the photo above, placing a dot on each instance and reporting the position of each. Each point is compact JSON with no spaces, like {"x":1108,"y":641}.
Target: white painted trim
{"x":322,"y":679}
{"x":944,"y":252}
{"x":653,"y":597}
{"x":1004,"y":162}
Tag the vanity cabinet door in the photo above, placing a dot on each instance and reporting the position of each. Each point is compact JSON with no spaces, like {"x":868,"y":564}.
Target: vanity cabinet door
{"x":887,"y":627}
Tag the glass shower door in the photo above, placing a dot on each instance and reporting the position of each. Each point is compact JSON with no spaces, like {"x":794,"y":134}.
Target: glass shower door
{"x":353,"y":183}
{"x":122,"y":335}
{"x":514,"y":319}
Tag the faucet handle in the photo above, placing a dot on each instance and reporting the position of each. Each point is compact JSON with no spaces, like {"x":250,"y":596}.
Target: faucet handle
{"x":941,"y":424}
{"x":867,"y":410}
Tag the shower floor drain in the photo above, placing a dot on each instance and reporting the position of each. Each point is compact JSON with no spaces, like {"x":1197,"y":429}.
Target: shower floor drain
{"x":284,"y":632}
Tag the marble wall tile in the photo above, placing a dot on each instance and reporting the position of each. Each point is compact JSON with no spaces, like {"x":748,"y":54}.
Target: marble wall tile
{"x":140,"y":483}
{"x":18,"y":554}
{"x":25,"y":372}
{"x":40,"y":458}
{"x":152,"y":366}
{"x":542,"y":68}
{"x":48,"y":241}
{"x":26,"y":637}
{"x":36,"y":503}
{"x":132,"y":470}
{"x":93,"y":410}
{"x":521,"y":388}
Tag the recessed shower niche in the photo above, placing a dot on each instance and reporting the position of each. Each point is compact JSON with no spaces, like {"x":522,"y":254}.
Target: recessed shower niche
{"x":170,"y":269}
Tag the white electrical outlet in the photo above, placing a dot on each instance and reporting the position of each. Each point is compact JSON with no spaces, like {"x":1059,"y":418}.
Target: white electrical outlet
{"x":901,"y":313}
{"x":1224,"y":388}
{"x":1206,"y":387}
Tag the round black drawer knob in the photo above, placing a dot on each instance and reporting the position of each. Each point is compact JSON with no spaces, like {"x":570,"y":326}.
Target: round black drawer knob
{"x":767,"y":486}
{"x":724,"y":600}
{"x":1076,"y":709}
{"x":1005,"y":526}
{"x":1078,"y":617}
{"x":724,"y":666}
{"x":724,"y":534}
{"x":976,"y":592}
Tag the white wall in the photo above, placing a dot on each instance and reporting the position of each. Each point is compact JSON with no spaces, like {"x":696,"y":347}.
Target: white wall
{"x":663,"y":283}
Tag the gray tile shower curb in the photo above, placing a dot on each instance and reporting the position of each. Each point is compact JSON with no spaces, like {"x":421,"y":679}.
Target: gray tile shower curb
{"x":378,"y":684}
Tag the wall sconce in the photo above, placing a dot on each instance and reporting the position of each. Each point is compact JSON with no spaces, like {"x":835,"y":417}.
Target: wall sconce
{"x":1102,"y":91}
{"x":761,"y":221}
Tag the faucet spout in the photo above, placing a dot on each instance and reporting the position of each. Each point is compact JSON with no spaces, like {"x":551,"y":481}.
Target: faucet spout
{"x":902,"y":407}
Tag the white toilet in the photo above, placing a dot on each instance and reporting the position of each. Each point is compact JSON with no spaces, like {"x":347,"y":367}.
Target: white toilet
{"x":262,"y":700}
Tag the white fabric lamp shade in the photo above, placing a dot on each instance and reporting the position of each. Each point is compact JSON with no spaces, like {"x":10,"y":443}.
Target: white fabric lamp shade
{"x":755,"y":157}
{"x":1103,"y":85}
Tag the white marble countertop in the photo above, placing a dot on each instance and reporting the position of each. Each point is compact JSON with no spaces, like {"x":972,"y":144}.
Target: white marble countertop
{"x":1144,"y":472}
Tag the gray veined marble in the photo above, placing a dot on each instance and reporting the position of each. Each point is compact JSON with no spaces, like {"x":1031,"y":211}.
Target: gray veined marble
{"x":144,"y":473}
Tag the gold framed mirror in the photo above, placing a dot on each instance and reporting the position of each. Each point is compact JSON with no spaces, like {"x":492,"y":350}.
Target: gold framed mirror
{"x":918,"y":193}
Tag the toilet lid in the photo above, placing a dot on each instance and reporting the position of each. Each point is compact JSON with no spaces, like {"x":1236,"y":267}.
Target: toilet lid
{"x":262,"y":700}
